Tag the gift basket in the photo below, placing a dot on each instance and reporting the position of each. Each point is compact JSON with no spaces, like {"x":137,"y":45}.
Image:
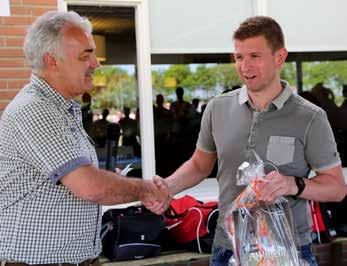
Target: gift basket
{"x":261,"y":234}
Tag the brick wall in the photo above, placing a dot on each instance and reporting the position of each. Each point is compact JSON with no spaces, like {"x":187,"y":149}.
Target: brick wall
{"x":14,"y":71}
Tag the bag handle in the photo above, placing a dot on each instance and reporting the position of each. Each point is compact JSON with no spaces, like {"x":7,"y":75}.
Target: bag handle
{"x":209,"y":217}
{"x":198,"y":227}
{"x":315,"y":222}
{"x":106,"y":228}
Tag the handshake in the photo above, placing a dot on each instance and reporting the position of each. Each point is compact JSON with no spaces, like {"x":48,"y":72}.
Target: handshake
{"x":155,"y":195}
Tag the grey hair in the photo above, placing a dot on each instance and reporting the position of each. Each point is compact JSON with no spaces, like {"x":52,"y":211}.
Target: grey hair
{"x":44,"y":36}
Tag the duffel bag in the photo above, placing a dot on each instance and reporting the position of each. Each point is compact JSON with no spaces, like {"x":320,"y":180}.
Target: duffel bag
{"x":192,"y":223}
{"x":131,"y":233}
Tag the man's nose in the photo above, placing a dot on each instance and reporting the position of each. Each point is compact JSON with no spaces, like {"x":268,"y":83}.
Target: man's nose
{"x":246,"y":64}
{"x":95,"y":62}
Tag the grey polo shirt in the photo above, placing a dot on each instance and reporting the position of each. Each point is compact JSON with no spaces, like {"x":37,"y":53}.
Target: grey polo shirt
{"x":291,"y":133}
{"x":41,"y":140}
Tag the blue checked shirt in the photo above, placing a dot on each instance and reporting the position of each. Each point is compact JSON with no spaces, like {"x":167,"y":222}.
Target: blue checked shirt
{"x":41,"y":140}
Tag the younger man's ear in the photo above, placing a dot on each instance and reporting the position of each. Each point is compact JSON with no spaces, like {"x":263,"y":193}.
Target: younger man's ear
{"x":281,"y":56}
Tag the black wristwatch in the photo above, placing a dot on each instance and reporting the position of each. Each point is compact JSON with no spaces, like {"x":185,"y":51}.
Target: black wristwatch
{"x":300,"y":183}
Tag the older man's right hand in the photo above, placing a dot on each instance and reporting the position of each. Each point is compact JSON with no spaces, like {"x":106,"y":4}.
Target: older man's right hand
{"x":156,"y":195}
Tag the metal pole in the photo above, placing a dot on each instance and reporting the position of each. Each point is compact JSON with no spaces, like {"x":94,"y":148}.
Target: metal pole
{"x":298,"y":75}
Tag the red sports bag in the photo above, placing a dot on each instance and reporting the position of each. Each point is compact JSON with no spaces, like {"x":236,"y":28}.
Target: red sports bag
{"x":320,"y":232}
{"x":192,"y":223}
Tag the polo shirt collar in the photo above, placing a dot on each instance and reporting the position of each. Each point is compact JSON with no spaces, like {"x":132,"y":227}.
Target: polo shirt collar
{"x":284,"y":96}
{"x":243,"y":96}
{"x":52,"y":94}
{"x":278,"y":102}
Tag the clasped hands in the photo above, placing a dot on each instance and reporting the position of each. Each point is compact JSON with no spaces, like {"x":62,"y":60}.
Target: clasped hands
{"x":155,"y":195}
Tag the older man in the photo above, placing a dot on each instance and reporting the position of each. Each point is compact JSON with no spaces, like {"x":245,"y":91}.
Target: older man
{"x":50,"y":184}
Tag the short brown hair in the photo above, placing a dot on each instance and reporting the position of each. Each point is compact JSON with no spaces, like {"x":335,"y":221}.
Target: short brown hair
{"x":261,"y":26}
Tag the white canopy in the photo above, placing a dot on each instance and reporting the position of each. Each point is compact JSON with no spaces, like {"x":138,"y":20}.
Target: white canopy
{"x":205,"y":26}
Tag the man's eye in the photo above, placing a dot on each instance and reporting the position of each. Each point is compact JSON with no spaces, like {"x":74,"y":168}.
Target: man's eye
{"x":85,"y":58}
{"x":238,"y":58}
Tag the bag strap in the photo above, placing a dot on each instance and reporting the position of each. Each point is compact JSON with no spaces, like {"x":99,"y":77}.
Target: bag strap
{"x":315,"y":221}
{"x":169,"y":227}
{"x":106,"y":228}
{"x":198,"y":227}
{"x":209,"y":217}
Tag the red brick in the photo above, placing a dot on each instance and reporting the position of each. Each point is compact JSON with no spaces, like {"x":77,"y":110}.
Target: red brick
{"x":17,"y":84}
{"x":3,"y":104}
{"x":13,"y":20}
{"x":11,"y":52}
{"x":5,"y":63}
{"x":13,"y":31}
{"x":38,"y":11}
{"x":19,"y":10}
{"x":3,"y":84}
{"x":2,"y":42}
{"x":14,"y":73}
{"x":15,"y":2}
{"x":8,"y":95}
{"x":40,"y":2}
{"x":15,"y":42}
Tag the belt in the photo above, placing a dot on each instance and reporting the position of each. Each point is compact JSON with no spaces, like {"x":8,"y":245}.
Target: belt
{"x":84,"y":263}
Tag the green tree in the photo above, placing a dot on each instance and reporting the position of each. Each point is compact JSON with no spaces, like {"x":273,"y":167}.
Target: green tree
{"x":158,"y":82}
{"x":182,"y":74}
{"x":332,"y":73}
{"x":117,"y":89}
{"x":288,"y":73}
{"x":226,"y":75}
{"x":204,"y":77}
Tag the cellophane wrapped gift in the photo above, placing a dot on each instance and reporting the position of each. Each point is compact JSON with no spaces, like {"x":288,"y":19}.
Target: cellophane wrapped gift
{"x":261,"y":234}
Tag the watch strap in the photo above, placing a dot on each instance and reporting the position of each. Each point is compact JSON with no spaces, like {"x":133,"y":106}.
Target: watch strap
{"x":300,"y":183}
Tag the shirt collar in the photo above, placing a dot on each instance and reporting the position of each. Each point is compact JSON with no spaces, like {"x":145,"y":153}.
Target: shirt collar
{"x":278,"y":102}
{"x":243,"y":96}
{"x":53,"y":95}
{"x":284,"y":96}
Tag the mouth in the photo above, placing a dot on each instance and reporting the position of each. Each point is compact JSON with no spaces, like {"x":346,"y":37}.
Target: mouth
{"x":249,"y":77}
{"x":89,"y":74}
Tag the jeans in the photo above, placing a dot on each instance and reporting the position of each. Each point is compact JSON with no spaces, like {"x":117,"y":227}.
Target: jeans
{"x":306,"y":254}
{"x":221,"y":256}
